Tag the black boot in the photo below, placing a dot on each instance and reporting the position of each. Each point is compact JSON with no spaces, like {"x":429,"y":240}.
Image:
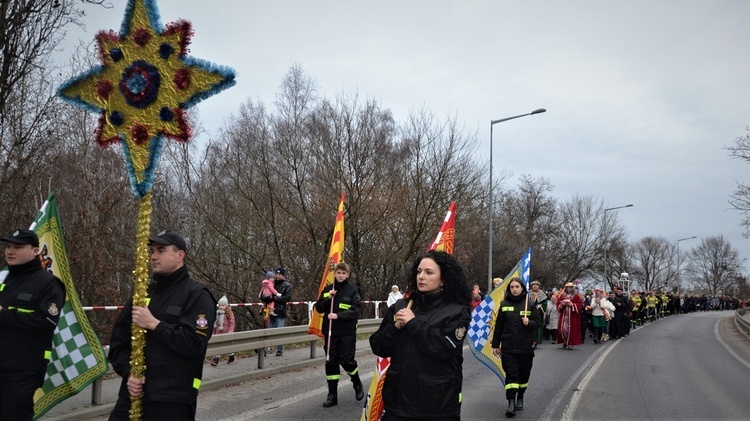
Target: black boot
{"x":519,"y":402}
{"x":332,"y":398}
{"x":359,"y":392}
{"x":511,"y":411}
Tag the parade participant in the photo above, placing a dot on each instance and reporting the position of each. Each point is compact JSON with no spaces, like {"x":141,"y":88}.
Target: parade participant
{"x":599,"y":307}
{"x":394,"y":296}
{"x":651,"y":304}
{"x":569,"y":305}
{"x":224,"y":324}
{"x":30,"y":302}
{"x":178,"y":321}
{"x":340,"y":304}
{"x":513,"y":340}
{"x":551,"y":318}
{"x":618,"y":326}
{"x":283,"y":296}
{"x":424,"y":336}
{"x":496,"y":282}
{"x":476,"y":296}
{"x":539,"y":298}
{"x":636,"y":304}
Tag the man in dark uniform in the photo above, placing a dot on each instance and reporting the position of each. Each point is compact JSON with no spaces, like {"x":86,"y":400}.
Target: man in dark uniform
{"x":30,"y":302}
{"x":178,"y":322}
{"x":340,"y":304}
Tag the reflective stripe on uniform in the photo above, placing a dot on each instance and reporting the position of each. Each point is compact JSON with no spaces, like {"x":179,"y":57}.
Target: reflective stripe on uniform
{"x":20,"y":310}
{"x":333,"y":377}
{"x":345,"y":306}
{"x":508,"y":308}
{"x":351,"y":373}
{"x":511,"y":386}
{"x":47,"y":355}
{"x":197,"y":384}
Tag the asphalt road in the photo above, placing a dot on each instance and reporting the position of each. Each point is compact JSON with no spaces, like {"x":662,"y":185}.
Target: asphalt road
{"x":692,"y":366}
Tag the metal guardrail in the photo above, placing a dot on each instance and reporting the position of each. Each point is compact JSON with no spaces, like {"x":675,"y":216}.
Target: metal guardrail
{"x":254,"y":340}
{"x":742,"y":321}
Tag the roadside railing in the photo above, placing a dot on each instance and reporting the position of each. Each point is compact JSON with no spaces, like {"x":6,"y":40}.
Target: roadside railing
{"x":742,"y":320}
{"x":254,"y":340}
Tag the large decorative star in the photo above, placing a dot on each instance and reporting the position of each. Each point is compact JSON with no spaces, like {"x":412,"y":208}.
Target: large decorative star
{"x":143,"y":86}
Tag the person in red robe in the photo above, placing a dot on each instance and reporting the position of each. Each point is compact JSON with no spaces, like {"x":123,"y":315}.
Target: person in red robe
{"x":569,"y":304}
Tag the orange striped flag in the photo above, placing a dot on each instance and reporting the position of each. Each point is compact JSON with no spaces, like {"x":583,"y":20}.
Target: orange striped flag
{"x":334,"y":256}
{"x":374,"y":405}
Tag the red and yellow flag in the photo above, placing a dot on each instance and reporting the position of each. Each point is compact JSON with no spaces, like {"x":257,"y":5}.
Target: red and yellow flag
{"x":374,"y":404}
{"x":444,"y":239}
{"x":334,"y":256}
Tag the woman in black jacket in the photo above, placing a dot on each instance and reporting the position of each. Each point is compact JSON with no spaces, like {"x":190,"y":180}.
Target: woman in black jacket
{"x":513,"y":340}
{"x":423,"y":335}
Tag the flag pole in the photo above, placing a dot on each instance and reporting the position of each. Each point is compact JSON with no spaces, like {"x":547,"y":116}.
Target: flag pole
{"x":330,"y":322}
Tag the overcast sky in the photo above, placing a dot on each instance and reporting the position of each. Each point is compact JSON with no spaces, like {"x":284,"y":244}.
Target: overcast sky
{"x":641,"y":96}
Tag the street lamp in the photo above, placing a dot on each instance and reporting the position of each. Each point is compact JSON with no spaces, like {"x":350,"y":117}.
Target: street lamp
{"x":492,"y":123}
{"x":606,"y":248}
{"x":679,"y":261}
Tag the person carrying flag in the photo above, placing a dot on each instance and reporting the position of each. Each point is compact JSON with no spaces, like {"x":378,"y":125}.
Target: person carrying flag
{"x":30,"y":302}
{"x":423,"y":335}
{"x":340,"y":304}
{"x":513,"y":341}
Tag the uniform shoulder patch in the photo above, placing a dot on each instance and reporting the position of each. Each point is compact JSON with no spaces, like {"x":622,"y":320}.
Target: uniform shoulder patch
{"x":53,"y":310}
{"x":201,"y":322}
{"x":460,"y":333}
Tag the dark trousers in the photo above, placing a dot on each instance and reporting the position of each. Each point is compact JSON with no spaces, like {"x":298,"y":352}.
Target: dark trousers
{"x":154,"y":411}
{"x":341,"y":353}
{"x":517,"y":372}
{"x":17,"y":393}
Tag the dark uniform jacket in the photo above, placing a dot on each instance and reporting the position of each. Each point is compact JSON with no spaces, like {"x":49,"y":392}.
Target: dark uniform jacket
{"x":425,"y":376}
{"x":175,"y":350}
{"x":510,"y":332}
{"x":32,"y":299}
{"x":346,"y":304}
{"x":283,"y":287}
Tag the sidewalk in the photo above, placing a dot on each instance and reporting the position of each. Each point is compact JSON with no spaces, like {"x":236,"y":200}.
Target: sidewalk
{"x":79,"y":407}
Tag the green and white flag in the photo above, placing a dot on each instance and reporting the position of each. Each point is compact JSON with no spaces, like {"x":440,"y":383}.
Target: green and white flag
{"x":77,"y":355}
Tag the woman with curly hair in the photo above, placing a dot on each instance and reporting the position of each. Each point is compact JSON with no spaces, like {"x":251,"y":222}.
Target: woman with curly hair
{"x":423,"y":335}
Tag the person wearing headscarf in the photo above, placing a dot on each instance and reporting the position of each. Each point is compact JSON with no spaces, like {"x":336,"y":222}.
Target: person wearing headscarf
{"x":569,"y":305}
{"x":394,"y":296}
{"x":539,"y":298}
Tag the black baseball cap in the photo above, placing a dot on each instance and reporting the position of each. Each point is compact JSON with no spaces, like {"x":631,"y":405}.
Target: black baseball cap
{"x":22,"y":236}
{"x":167,"y":238}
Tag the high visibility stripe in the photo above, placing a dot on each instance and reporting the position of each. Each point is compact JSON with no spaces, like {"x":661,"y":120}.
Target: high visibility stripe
{"x":47,"y":355}
{"x":508,"y":308}
{"x":148,"y":301}
{"x":524,"y":385}
{"x":197,"y":384}
{"x":326,"y":294}
{"x":525,"y":313}
{"x":460,"y":397}
{"x":345,"y":306}
{"x":20,"y":310}
{"x":333,"y":377}
{"x":511,"y":386}
{"x":2,"y":287}
{"x":356,"y":370}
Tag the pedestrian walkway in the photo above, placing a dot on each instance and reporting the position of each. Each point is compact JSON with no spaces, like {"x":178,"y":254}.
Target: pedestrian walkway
{"x":79,"y":407}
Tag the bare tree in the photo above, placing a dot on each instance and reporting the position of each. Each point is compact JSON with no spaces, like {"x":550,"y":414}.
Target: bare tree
{"x":653,"y":264}
{"x":740,"y":200}
{"x":712,"y":265}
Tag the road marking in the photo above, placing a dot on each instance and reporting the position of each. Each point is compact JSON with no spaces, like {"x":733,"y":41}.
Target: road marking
{"x":265,"y":409}
{"x":578,"y":392}
{"x":726,"y":346}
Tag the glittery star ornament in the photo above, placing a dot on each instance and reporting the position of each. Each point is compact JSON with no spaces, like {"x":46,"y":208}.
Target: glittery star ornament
{"x":143,"y":86}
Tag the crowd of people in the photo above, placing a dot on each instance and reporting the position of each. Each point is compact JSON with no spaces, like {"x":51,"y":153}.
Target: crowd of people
{"x":422,"y":332}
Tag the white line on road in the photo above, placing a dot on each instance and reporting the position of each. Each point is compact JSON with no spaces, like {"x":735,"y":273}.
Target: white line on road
{"x":726,"y":346}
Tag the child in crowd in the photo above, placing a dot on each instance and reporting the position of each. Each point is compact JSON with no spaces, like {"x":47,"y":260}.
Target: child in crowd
{"x":224,"y":324}
{"x":267,"y":290}
{"x":551,"y":318}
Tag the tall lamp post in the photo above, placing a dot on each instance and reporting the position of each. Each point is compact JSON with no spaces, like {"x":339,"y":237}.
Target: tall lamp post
{"x":679,"y":261}
{"x":606,"y":247}
{"x":492,"y":123}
